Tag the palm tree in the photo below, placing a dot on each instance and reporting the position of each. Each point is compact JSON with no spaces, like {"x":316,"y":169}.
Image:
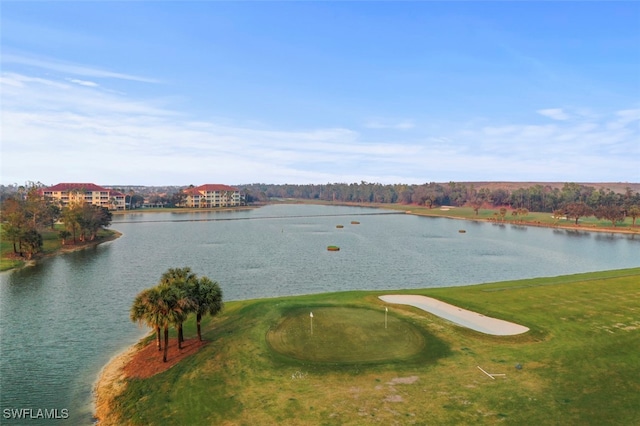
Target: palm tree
{"x":181,"y":279}
{"x":207,"y":297}
{"x":145,"y":309}
{"x":178,"y":293}
{"x":174,"y":307}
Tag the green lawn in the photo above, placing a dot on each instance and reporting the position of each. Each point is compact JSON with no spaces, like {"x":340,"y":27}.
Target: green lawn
{"x":532,"y":218}
{"x":580,"y":361}
{"x":340,"y":335}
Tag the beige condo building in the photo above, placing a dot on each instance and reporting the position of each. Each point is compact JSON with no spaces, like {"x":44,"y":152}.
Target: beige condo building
{"x":213,"y":195}
{"x":69,"y":193}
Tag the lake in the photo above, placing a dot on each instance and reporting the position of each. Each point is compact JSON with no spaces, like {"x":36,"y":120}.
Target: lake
{"x":63,"y":319}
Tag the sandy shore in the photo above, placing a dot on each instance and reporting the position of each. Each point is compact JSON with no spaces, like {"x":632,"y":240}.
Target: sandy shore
{"x":463,"y":317}
{"x":109,"y":385}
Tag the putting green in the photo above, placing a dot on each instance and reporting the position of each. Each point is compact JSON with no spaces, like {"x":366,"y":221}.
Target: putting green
{"x":344,"y":335}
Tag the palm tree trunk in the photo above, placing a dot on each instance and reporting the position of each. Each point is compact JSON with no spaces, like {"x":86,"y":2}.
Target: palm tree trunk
{"x":198,"y":318}
{"x":166,"y":343}
{"x":158,"y":339}
{"x":180,"y":336}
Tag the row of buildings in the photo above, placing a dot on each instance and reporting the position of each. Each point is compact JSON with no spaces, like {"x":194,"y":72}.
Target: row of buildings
{"x":203,"y":196}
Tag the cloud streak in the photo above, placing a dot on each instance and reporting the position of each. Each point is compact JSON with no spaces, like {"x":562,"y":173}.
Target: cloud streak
{"x":68,"y":68}
{"x":554,"y":113}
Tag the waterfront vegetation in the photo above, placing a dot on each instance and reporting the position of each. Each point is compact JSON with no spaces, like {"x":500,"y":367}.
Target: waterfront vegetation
{"x":51,"y":244}
{"x":179,"y":293}
{"x":578,"y":364}
{"x":529,"y":218}
{"x":30,"y":223}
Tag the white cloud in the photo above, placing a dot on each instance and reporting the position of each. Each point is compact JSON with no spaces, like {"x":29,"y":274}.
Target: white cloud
{"x":83,"y":82}
{"x":554,"y":113}
{"x":55,"y":131}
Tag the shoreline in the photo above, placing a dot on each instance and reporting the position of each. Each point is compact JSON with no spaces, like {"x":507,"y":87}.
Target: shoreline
{"x":407,"y":209}
{"x":110,"y":383}
{"x":67,"y":249}
{"x":569,"y":227}
{"x":182,"y":210}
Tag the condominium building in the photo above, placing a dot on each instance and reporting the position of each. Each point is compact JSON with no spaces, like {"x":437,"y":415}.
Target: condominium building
{"x":69,"y":193}
{"x":213,"y":195}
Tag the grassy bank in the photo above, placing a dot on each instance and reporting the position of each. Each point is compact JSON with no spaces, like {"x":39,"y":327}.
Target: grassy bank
{"x":544,"y":219}
{"x":580,"y":363}
{"x":51,"y":245}
{"x":531,"y":219}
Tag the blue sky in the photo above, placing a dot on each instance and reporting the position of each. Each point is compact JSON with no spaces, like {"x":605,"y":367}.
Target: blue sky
{"x":178,"y":93}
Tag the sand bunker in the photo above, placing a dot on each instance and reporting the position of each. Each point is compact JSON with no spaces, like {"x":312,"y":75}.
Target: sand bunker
{"x":463,"y":317}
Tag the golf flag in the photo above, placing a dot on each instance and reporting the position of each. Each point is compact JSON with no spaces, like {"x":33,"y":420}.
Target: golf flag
{"x":311,"y":314}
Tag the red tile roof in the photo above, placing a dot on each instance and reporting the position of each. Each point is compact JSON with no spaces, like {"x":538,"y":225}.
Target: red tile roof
{"x":80,"y":186}
{"x":215,"y":187}
{"x":209,"y":187}
{"x":191,"y":191}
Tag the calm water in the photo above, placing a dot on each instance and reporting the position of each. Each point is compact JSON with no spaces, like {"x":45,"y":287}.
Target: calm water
{"x":62,"y":320}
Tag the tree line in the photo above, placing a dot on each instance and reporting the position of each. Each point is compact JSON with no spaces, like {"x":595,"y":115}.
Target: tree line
{"x":26,"y":214}
{"x":179,"y":293}
{"x":538,"y":198}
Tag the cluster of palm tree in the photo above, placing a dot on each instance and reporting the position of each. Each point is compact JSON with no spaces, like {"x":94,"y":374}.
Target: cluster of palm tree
{"x":179,"y":293}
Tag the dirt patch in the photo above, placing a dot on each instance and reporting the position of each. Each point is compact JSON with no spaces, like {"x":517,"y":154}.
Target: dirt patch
{"x":403,"y":380}
{"x":148,"y":361}
{"x":393,"y":398}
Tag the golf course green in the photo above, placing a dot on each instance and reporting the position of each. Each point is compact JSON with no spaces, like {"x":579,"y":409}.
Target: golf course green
{"x":345,"y":335}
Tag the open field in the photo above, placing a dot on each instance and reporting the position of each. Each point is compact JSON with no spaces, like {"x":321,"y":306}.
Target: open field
{"x":580,"y":362}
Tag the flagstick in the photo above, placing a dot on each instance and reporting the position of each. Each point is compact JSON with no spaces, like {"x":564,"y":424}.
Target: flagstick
{"x":311,"y":317}
{"x":385,"y":316}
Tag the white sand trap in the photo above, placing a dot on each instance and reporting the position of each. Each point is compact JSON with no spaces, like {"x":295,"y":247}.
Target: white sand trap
{"x":463,"y":317}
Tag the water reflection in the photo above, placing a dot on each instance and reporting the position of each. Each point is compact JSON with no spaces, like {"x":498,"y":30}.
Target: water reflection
{"x":572,"y":233}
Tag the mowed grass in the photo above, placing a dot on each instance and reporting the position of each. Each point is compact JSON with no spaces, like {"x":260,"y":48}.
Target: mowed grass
{"x":580,"y":362}
{"x":532,"y":218}
{"x":345,"y":335}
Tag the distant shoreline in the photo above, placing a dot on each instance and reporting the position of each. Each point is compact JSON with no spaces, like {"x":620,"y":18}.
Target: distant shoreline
{"x":570,"y":227}
{"x":67,"y":249}
{"x":183,"y":209}
{"x":434,"y":212}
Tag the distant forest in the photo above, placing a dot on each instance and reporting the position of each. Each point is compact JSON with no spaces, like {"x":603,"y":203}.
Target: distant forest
{"x":535,"y":197}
